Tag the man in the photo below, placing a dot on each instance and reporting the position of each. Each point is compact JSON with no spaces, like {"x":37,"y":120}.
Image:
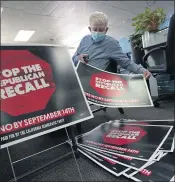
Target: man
{"x":101,"y":48}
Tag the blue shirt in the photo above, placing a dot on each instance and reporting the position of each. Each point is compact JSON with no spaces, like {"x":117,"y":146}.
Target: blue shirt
{"x":101,"y":52}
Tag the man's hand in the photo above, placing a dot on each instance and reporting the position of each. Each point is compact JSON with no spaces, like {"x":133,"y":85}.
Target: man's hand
{"x":147,"y":74}
{"x":80,"y":57}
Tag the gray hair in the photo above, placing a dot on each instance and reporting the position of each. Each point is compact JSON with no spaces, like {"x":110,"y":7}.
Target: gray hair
{"x":98,"y":17}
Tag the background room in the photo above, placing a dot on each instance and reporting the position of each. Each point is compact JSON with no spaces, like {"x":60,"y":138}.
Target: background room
{"x":64,"y":23}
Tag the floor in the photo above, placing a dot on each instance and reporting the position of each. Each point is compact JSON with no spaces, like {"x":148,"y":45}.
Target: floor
{"x":69,"y":169}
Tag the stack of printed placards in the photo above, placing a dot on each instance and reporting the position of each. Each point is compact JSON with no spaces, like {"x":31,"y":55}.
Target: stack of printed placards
{"x":139,"y":150}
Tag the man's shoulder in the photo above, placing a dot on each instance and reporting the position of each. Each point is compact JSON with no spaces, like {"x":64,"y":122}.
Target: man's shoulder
{"x":111,"y":39}
{"x":86,"y":37}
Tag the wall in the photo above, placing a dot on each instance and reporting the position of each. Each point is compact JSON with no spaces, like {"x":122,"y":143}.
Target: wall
{"x":125,"y":44}
{"x":165,"y":24}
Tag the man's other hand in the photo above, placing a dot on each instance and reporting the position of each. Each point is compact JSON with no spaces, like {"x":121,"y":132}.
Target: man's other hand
{"x":81,"y":58}
{"x":147,"y":74}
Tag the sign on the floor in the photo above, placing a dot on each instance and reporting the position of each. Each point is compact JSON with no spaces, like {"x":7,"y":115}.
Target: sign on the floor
{"x":137,"y":141}
{"x":40,"y":92}
{"x":139,"y":150}
{"x":106,"y":163}
{"x":157,"y":171}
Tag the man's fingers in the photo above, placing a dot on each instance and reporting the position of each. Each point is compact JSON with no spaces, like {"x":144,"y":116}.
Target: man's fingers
{"x":84,"y":55}
{"x":147,"y":75}
{"x":82,"y":58}
{"x":82,"y":61}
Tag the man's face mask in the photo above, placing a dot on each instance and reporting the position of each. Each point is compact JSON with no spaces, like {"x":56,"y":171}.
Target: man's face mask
{"x":98,"y":36}
{"x":98,"y":31}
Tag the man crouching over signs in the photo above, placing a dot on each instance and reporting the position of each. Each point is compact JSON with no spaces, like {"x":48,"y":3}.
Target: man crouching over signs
{"x":100,"y":48}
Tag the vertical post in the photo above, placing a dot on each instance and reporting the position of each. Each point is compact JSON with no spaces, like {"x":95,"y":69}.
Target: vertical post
{"x":72,"y":134}
{"x":71,"y":131}
{"x":11,"y":163}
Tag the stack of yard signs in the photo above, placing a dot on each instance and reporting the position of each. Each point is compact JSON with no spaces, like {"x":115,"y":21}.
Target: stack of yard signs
{"x":139,"y":150}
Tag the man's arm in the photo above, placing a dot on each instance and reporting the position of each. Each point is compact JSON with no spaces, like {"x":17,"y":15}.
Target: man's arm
{"x":122,"y":60}
{"x":75,"y":56}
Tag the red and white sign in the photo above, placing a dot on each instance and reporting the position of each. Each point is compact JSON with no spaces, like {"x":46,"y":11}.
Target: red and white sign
{"x":125,"y":135}
{"x":108,"y":85}
{"x":25,"y":79}
{"x":113,"y":90}
{"x":38,"y":95}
